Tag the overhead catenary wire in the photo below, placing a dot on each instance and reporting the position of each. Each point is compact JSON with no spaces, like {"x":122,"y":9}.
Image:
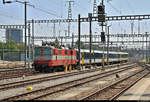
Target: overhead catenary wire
{"x":50,"y":13}
{"x":5,"y":14}
{"x":131,"y":8}
{"x":82,"y":7}
{"x":118,"y":11}
{"x":12,"y":17}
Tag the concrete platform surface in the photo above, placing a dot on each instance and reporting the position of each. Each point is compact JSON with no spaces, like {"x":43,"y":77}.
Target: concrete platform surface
{"x":140,"y":91}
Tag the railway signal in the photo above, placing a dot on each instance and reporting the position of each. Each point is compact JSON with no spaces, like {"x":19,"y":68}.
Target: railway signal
{"x":101,"y":13}
{"x":3,"y":1}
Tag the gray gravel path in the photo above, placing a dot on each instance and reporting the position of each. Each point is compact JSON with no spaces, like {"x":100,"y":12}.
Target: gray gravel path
{"x":16,"y":91}
{"x":86,"y":88}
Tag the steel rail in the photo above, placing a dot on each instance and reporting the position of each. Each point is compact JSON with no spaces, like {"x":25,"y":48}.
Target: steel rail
{"x":35,"y":91}
{"x":8,"y":74}
{"x":90,"y":96}
{"x":78,"y":84}
{"x":39,"y":80}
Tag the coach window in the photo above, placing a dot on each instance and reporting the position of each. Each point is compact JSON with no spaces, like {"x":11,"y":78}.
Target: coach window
{"x":65,"y":52}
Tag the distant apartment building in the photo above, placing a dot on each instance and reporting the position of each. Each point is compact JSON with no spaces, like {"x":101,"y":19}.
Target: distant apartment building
{"x":14,"y":34}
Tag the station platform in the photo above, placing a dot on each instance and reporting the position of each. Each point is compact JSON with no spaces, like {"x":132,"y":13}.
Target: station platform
{"x":140,"y":91}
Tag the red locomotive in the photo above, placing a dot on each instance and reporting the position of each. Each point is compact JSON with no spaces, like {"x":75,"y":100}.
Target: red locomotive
{"x":48,"y":58}
{"x":51,"y":59}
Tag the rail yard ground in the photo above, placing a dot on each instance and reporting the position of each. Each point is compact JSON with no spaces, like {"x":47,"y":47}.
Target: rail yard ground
{"x":140,"y":91}
{"x":74,"y":50}
{"x":10,"y":64}
{"x":75,"y":85}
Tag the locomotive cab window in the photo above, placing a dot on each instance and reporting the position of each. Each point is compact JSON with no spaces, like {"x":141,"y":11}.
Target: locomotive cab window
{"x":59,"y":52}
{"x":37,"y":51}
{"x":46,"y":51}
{"x":65,"y":52}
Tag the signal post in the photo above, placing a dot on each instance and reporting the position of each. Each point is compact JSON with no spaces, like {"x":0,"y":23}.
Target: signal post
{"x":101,"y":20}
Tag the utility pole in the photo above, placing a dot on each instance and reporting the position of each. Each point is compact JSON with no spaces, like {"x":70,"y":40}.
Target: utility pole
{"x":69,"y":14}
{"x":148,"y":49}
{"x":29,"y":36}
{"x":108,"y":45}
{"x":61,"y":40}
{"x":146,"y":46}
{"x":65,"y":37}
{"x":72,"y":40}
{"x":101,"y":19}
{"x":25,"y":21}
{"x":79,"y":31}
{"x":90,"y":31}
{"x":132,"y":26}
{"x":33,"y":38}
{"x":54,"y":30}
{"x":143,"y":46}
{"x":72,"y":46}
{"x":143,"y":37}
{"x":104,"y":41}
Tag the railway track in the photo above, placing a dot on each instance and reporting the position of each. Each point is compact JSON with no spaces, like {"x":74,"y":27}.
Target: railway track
{"x":9,"y":73}
{"x":16,"y":72}
{"x":47,"y":78}
{"x":114,"y":90}
{"x":37,"y":94}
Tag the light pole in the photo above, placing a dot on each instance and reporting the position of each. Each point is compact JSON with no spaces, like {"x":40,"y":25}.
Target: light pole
{"x":25,"y":22}
{"x":33,"y":39}
{"x":90,"y":33}
{"x":79,"y":37}
{"x":3,"y":49}
{"x":108,"y":45}
{"x":146,"y":46}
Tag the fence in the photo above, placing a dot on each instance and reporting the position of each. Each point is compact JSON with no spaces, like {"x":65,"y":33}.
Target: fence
{"x":10,"y":55}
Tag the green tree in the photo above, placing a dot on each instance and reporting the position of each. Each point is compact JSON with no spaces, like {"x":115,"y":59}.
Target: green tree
{"x":81,"y":44}
{"x":20,"y":46}
{"x":56,"y":43}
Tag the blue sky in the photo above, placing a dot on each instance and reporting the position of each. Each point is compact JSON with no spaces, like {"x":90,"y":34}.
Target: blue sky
{"x":14,"y":14}
{"x":59,"y":8}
